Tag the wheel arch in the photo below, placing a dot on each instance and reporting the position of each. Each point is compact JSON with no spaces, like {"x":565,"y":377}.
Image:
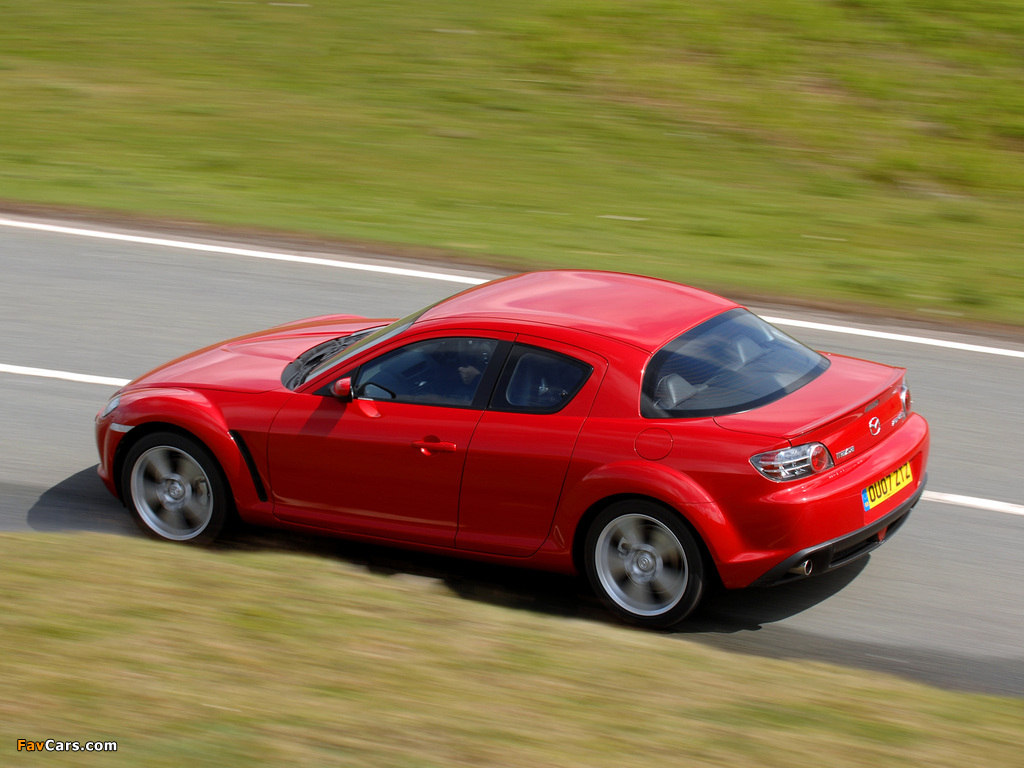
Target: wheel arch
{"x":595,"y":509}
{"x":146,"y":429}
{"x":198,"y":474}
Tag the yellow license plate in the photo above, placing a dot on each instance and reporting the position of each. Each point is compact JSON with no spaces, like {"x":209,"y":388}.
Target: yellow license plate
{"x":887,"y":487}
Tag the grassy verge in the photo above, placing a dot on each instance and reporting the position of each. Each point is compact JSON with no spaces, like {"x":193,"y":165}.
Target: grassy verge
{"x":867,"y":151}
{"x":189,"y":657}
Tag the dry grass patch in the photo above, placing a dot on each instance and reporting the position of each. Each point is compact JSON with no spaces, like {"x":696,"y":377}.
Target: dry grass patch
{"x":265,"y":658}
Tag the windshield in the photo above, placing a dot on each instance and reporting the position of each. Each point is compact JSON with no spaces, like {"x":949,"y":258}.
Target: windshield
{"x":364,"y":342}
{"x":733,"y":362}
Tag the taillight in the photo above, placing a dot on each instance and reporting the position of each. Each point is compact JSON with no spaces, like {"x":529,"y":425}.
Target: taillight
{"x":820,"y":458}
{"x":905,"y":399}
{"x":793,"y":463}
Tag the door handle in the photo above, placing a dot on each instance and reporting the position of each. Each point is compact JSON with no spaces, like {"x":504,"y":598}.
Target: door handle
{"x":428,"y":447}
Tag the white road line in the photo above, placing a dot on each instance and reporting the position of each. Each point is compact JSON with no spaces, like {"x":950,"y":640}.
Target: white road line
{"x":254,"y":254}
{"x":462,"y":279}
{"x":970,"y":501}
{"x":46,"y":373}
{"x":896,"y":337}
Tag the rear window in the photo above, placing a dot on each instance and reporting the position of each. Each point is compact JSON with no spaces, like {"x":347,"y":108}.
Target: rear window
{"x":731,"y":363}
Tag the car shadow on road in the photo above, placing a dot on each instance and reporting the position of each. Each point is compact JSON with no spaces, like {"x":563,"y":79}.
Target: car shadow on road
{"x":743,"y":610}
{"x":81,"y":503}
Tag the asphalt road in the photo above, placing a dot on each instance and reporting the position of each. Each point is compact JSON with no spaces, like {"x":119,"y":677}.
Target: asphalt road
{"x":940,"y":603}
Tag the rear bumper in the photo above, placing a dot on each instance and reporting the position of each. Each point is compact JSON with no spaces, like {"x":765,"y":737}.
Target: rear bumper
{"x":836,"y":553}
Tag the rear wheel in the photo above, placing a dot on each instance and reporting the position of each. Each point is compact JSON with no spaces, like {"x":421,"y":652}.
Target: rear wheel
{"x":644,"y":564}
{"x":175,"y":488}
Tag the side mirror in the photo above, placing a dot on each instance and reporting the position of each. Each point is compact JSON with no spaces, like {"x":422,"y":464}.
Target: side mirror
{"x":342,"y":389}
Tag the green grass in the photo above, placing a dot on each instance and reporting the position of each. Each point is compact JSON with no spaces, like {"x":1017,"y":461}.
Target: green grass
{"x":862,"y":151}
{"x":257,"y":658}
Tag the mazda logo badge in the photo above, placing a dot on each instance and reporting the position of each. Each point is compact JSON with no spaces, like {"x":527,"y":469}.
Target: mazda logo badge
{"x":875,"y":426}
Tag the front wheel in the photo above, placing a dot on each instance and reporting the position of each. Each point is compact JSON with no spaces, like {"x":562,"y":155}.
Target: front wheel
{"x":644,"y":564}
{"x":175,"y":488}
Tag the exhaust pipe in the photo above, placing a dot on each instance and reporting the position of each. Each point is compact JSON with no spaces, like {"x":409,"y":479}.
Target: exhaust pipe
{"x":802,"y":569}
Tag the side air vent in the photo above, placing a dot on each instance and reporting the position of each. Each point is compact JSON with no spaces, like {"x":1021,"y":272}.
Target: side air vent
{"x":257,"y":481}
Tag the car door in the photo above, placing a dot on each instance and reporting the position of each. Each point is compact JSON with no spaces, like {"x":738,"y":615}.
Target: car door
{"x":388,"y":463}
{"x":522,"y":446}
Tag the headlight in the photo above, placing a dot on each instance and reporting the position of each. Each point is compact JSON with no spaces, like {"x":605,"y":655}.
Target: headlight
{"x":793,"y":463}
{"x":111,"y":406}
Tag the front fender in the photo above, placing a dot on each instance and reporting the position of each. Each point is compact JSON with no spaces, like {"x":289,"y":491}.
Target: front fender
{"x":147,"y":410}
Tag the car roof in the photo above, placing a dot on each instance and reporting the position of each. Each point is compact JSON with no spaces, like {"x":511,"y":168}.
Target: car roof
{"x":643,"y":311}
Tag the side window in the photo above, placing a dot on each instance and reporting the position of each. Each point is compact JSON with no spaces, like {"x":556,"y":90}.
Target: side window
{"x":436,"y":372}
{"x":538,"y":381}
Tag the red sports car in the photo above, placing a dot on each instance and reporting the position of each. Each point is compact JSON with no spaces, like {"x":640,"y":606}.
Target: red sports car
{"x":653,"y":436}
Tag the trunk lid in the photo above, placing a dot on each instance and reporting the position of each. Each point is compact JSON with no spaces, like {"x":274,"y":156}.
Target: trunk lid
{"x":849,"y":408}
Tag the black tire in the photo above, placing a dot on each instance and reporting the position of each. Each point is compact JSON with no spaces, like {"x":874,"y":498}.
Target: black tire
{"x":645,"y":564}
{"x":175,"y":489}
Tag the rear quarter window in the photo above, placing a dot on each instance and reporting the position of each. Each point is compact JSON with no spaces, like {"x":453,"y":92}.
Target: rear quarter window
{"x":731,"y":363}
